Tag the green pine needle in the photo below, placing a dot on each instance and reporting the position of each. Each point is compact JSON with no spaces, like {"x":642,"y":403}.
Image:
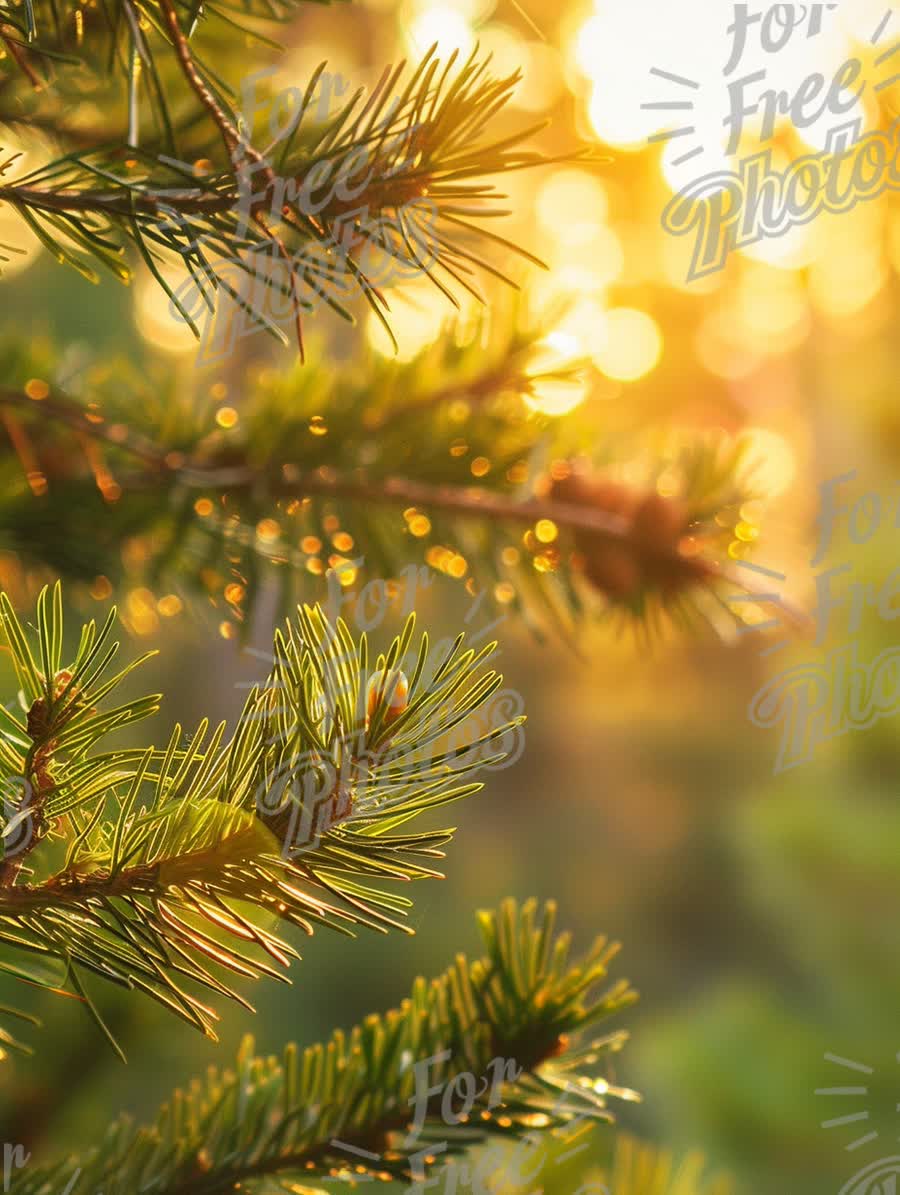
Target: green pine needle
{"x":300,"y":814}
{"x":357,"y":1105}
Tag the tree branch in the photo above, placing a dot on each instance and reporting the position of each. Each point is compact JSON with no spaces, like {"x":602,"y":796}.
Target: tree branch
{"x":9,"y":37}
{"x":397,"y":491}
{"x":120,"y":203}
{"x":73,"y":415}
{"x":506,"y":1020}
{"x":189,"y":68}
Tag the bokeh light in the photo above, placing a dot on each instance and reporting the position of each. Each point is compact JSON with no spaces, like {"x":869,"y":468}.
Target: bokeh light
{"x":448,"y":25}
{"x":571,"y":204}
{"x":632,"y":346}
{"x":417,"y":311}
{"x":556,"y":396}
{"x":157,"y":321}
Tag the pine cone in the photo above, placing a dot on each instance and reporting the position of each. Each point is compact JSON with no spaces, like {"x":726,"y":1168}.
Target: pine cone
{"x":648,"y":555}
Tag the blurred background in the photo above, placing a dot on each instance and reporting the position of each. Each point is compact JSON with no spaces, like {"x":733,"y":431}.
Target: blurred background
{"x":759,"y":912}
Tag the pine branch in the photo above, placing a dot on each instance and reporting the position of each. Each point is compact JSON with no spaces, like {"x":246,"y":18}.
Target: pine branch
{"x":358,"y":1106}
{"x":295,"y":815}
{"x":390,"y":189}
{"x":458,"y":452}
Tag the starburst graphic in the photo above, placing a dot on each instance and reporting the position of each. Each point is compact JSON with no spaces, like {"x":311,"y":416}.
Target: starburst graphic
{"x":795,"y":68}
{"x":845,"y":1092}
{"x":675,"y":106}
{"x":686,"y":84}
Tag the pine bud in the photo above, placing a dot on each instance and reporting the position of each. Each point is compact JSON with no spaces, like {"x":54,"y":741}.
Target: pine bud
{"x":201,"y":1163}
{"x":60,"y":680}
{"x":39,"y":721}
{"x":560,"y":1046}
{"x":395,"y":695}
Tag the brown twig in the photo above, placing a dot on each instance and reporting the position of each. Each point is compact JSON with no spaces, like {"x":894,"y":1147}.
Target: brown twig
{"x":67,"y":411}
{"x":233,"y":144}
{"x":230,"y":135}
{"x":9,"y":37}
{"x":400,"y":491}
{"x":469,"y":501}
{"x":97,"y":885}
{"x":395,"y":491}
{"x":120,"y":203}
{"x":481,"y":504}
